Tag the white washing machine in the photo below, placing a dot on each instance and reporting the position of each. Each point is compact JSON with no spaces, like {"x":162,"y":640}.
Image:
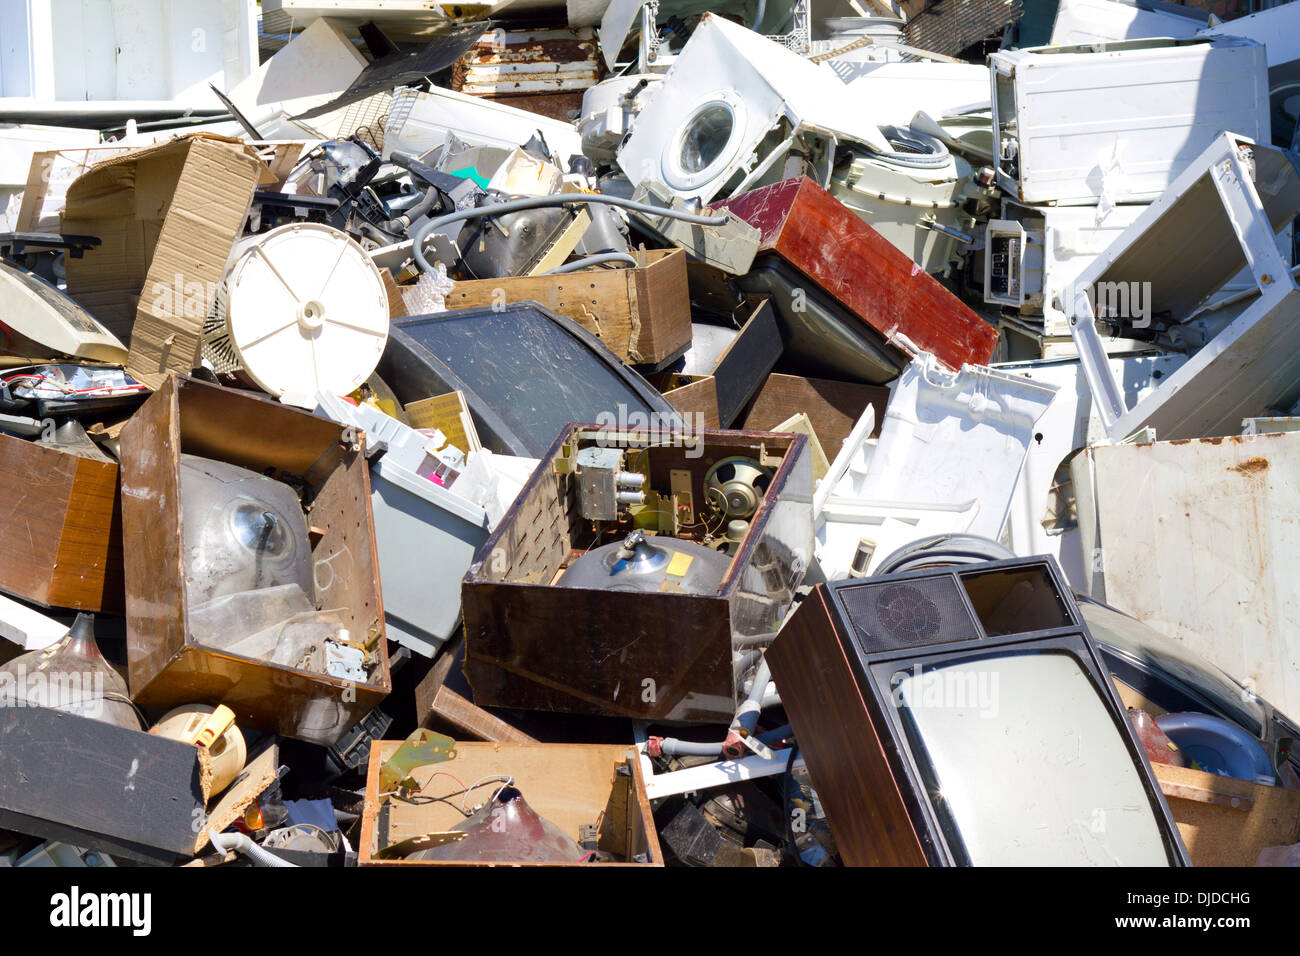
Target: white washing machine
{"x":727,"y":92}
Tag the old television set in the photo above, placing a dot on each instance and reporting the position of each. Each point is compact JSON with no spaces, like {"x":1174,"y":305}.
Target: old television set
{"x":963,"y":716}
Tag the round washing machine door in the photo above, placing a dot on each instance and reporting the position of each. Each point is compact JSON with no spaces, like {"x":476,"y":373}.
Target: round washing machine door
{"x":706,"y":143}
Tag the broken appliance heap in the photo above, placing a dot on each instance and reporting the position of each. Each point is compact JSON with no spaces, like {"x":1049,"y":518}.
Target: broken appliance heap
{"x":625,"y":433}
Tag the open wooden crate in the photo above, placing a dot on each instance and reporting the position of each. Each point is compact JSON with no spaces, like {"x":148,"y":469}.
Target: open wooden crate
{"x":642,"y":314}
{"x":572,"y":785}
{"x":662,"y":655}
{"x":167,"y":665}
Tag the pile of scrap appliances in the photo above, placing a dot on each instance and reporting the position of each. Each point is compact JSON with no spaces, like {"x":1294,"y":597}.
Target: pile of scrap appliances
{"x":625,"y":433}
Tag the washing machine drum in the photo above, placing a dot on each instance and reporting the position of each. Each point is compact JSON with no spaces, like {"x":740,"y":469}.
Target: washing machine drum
{"x":706,"y":142}
{"x":727,"y":91}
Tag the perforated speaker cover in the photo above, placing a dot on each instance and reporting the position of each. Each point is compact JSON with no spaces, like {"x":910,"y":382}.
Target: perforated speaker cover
{"x":888,"y":615}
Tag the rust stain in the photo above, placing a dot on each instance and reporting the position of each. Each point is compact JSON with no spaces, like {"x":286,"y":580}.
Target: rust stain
{"x":1251,"y":466}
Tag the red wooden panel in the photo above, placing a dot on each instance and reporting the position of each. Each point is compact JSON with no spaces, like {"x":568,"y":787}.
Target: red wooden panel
{"x":879,"y":283}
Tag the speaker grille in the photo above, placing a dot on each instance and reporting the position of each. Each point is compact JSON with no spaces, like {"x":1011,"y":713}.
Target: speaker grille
{"x":889,"y":615}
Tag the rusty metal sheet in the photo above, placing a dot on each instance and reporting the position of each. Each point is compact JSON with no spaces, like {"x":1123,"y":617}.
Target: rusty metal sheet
{"x":1200,"y":539}
{"x":529,"y":61}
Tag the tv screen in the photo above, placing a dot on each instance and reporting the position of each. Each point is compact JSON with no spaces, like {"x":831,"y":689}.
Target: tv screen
{"x":1023,"y":763}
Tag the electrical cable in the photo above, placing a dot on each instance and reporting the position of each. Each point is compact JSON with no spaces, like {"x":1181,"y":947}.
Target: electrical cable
{"x":594,"y":260}
{"x":421,"y":234}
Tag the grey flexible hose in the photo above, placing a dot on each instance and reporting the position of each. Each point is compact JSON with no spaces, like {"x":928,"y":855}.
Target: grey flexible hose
{"x":543,"y":202}
{"x":943,"y":550}
{"x":935,"y":154}
{"x":672,"y":747}
{"x":399,"y":224}
{"x":746,"y":718}
{"x":597,"y":259}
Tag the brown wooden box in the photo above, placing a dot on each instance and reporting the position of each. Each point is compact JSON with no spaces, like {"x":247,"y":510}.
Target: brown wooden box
{"x":1225,"y":821}
{"x":536,"y":646}
{"x":569,"y":784}
{"x":642,"y":315}
{"x":60,"y":528}
{"x":167,"y":667}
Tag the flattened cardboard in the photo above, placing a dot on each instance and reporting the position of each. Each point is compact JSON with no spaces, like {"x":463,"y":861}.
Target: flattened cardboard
{"x":167,"y":216}
{"x":53,"y":171}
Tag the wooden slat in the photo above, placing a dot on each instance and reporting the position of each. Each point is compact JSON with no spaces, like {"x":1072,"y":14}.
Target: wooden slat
{"x":435,"y":701}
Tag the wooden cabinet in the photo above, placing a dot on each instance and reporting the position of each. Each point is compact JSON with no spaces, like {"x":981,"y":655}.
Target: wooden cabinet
{"x":167,"y":665}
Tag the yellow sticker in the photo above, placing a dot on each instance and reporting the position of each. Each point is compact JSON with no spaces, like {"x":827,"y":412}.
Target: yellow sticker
{"x":678,"y":565}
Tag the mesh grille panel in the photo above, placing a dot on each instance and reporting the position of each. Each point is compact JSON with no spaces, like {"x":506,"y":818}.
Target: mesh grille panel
{"x":950,"y":26}
{"x":888,"y":615}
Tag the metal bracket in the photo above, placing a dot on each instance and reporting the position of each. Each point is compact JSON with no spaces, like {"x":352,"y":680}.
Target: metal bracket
{"x":422,"y":748}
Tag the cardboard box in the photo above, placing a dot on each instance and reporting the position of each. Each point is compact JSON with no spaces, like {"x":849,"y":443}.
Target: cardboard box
{"x":53,"y":171}
{"x":667,"y":654}
{"x":642,"y":315}
{"x":572,"y":785}
{"x":61,"y":779}
{"x":167,"y":216}
{"x":167,"y":666}
{"x":60,"y":528}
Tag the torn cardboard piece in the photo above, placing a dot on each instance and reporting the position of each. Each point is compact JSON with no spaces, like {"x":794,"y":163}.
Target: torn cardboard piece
{"x":167,"y":216}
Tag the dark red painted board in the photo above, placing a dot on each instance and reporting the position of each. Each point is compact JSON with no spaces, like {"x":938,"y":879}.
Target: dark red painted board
{"x":833,"y":247}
